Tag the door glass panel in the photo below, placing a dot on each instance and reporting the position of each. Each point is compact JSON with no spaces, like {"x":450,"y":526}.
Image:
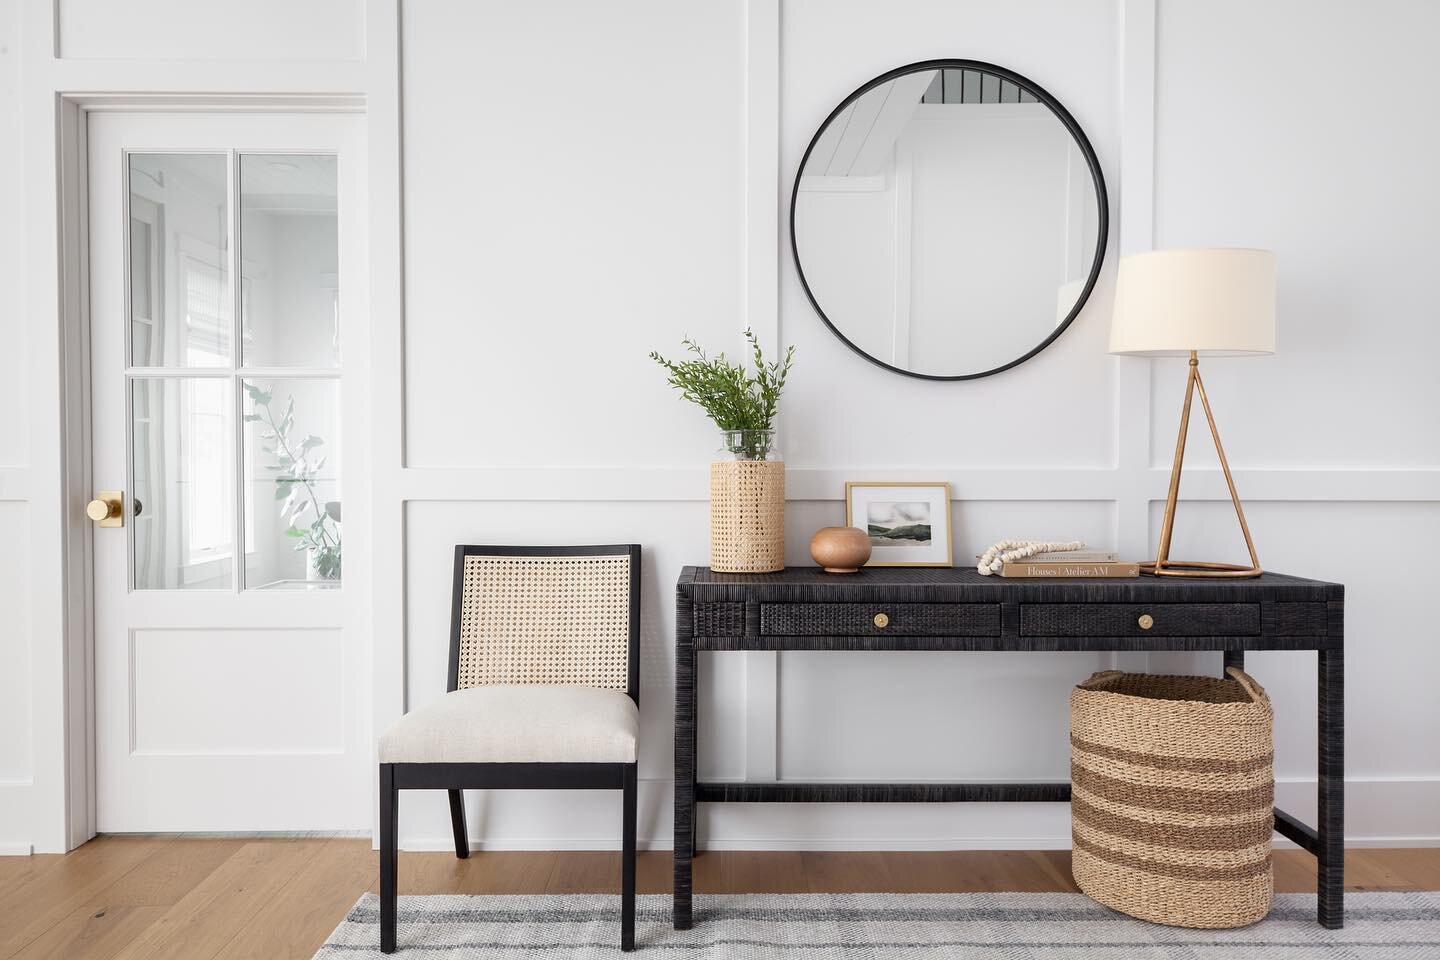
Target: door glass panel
{"x":178,"y":253}
{"x":182,"y":465}
{"x":292,"y":480}
{"x":289,"y":254}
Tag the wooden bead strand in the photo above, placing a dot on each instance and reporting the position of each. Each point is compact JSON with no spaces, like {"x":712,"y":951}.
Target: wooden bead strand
{"x":1008,"y":551}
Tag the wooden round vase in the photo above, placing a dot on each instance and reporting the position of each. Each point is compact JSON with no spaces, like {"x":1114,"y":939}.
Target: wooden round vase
{"x":840,"y":549}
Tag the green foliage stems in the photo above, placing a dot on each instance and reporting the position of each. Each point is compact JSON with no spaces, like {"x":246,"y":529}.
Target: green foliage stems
{"x":729,"y":395}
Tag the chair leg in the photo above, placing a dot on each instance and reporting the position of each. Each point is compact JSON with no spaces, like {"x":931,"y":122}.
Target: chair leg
{"x":627,"y":861}
{"x":389,"y":854}
{"x":457,"y":823}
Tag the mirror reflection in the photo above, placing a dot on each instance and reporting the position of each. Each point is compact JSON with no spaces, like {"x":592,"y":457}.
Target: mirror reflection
{"x":946,"y":222}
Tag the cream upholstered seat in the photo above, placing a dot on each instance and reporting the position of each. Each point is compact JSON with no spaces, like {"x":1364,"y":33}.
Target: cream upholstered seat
{"x":529,"y":723}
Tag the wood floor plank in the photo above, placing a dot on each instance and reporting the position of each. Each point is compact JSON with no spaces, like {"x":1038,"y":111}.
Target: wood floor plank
{"x":432,"y":872}
{"x":1413,"y":869}
{"x":508,"y":871}
{"x":97,"y":929}
{"x":107,"y":933}
{"x":235,"y":899}
{"x":654,"y":871}
{"x":972,"y":871}
{"x":1294,"y":871}
{"x":17,"y":871}
{"x":52,"y":894}
{"x":294,"y":922}
{"x":847,"y":872}
{"x":1368,"y":870}
{"x":705,"y":872}
{"x":586,"y":871}
{"x":204,"y":921}
{"x":762,"y":871}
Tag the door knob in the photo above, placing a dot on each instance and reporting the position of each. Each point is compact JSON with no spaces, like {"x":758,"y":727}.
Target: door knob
{"x":107,"y":509}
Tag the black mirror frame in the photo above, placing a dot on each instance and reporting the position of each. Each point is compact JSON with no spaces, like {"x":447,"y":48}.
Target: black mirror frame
{"x":1055,"y":107}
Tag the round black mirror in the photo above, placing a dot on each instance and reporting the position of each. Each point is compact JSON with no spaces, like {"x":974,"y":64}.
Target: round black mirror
{"x":948,"y":220}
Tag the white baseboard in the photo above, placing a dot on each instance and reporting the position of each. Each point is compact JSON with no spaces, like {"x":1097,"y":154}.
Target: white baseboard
{"x":16,"y":848}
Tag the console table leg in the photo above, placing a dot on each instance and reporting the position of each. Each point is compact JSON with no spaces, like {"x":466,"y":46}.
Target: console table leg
{"x":684,"y":764}
{"x":1233,"y":658}
{"x":1331,"y":828}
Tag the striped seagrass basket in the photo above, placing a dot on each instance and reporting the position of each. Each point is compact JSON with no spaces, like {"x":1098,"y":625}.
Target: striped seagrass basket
{"x":1173,"y":797}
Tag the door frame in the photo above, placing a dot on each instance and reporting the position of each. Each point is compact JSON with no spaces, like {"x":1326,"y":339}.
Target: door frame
{"x":73,"y":439}
{"x":52,"y":809}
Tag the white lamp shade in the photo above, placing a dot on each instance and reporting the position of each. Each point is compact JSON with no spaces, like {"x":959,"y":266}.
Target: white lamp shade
{"x":1219,"y":302}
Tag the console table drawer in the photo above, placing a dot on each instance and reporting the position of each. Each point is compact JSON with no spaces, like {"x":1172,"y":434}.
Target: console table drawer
{"x":880,"y":618}
{"x":1139,"y":619}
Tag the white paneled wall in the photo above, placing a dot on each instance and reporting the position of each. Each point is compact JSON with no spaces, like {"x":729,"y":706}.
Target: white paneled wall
{"x":573,"y":200}
{"x":584,"y":182}
{"x":161,"y":30}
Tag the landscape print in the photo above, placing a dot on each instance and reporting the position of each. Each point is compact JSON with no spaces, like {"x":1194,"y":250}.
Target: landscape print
{"x":898,"y":524}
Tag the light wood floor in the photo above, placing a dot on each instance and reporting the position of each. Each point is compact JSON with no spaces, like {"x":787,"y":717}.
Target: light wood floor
{"x":223,"y":899}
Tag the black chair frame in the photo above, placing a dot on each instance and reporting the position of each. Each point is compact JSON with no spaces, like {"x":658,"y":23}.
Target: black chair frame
{"x":458,"y":777}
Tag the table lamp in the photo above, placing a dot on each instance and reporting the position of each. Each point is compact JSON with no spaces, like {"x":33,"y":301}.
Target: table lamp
{"x":1175,"y":303}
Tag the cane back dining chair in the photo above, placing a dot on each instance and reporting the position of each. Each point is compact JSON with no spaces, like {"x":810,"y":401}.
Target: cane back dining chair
{"x":543,"y":693}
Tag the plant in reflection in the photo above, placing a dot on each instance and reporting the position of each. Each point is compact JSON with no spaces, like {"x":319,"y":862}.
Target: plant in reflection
{"x":742,"y":406}
{"x":315,"y":524}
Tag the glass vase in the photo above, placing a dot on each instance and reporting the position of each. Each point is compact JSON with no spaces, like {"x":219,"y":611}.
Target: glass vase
{"x":747,"y":503}
{"x":748,"y":445}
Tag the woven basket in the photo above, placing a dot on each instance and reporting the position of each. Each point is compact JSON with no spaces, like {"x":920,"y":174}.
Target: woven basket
{"x":1173,"y":797}
{"x":747,"y":516}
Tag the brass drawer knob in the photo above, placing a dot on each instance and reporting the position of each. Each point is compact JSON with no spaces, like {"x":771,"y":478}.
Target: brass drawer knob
{"x":1146,"y":621}
{"x":882,"y":620}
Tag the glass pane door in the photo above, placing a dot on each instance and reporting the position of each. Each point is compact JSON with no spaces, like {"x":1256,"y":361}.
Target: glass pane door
{"x":234,"y":443}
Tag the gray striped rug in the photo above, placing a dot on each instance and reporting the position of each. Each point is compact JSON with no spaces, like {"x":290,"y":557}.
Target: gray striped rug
{"x":1013,"y":926}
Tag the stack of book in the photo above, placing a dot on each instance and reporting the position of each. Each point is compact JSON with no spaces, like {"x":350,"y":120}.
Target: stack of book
{"x":1071,"y":563}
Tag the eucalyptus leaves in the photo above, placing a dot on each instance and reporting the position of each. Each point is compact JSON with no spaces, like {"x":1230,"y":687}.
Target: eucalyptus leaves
{"x":741,"y":405}
{"x":314,"y":524}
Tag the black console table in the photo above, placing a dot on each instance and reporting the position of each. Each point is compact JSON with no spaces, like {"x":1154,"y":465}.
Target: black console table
{"x":957,"y":609}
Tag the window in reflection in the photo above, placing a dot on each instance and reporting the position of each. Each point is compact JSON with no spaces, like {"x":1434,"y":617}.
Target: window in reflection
{"x":289,"y":245}
{"x":180,"y":312}
{"x":182,"y":488}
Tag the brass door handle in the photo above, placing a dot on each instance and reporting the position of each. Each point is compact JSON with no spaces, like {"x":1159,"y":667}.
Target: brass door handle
{"x":882,"y":620}
{"x":107,"y":509}
{"x":1146,"y":621}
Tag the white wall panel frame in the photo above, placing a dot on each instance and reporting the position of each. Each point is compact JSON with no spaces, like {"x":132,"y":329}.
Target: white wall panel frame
{"x":387,"y":328}
{"x":762,"y":253}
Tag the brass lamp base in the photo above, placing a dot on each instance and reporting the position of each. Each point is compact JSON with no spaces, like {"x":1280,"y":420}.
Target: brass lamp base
{"x":1163,"y":566}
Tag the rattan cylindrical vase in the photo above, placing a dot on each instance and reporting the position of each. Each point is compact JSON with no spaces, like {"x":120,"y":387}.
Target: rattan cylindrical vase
{"x":747,"y":504}
{"x":1173,"y":797}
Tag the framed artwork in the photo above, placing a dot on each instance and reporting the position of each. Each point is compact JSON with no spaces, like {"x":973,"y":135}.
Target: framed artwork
{"x":908,"y":523}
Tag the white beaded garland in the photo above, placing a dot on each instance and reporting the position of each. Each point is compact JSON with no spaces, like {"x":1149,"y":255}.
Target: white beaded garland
{"x":1008,"y":551}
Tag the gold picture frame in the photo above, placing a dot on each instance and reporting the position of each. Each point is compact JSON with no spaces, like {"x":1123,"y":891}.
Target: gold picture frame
{"x":900,"y":513}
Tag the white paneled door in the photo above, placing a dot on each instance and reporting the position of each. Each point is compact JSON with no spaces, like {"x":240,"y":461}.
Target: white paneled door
{"x":227,"y":333}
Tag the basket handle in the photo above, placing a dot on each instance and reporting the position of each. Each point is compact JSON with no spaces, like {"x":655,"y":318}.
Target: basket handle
{"x":1257,"y":692}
